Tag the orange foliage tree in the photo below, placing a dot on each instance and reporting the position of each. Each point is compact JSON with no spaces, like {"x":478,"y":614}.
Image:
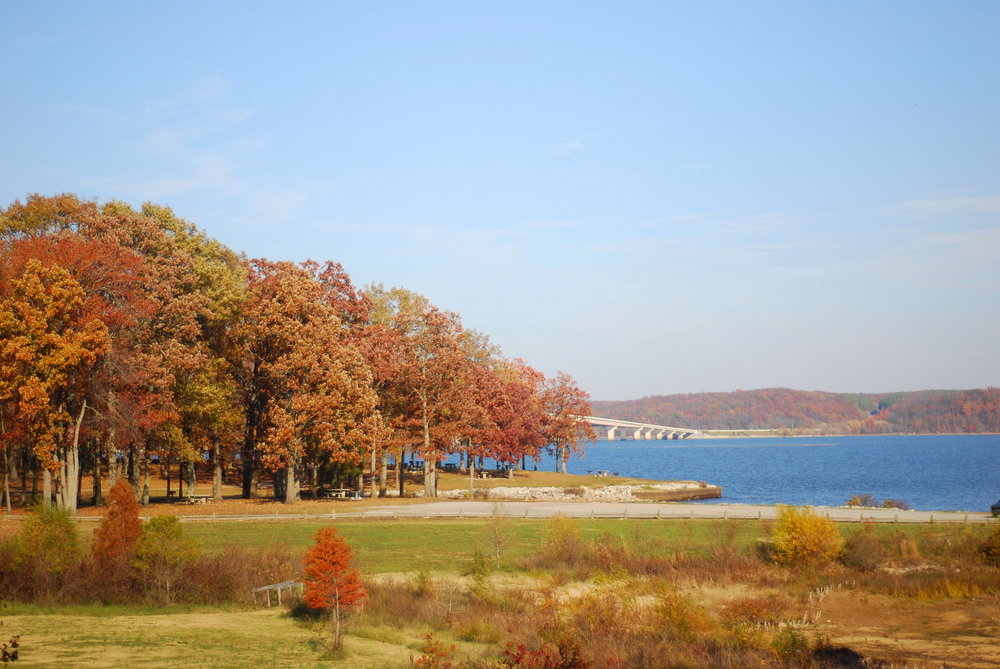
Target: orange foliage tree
{"x":332,"y":583}
{"x":115,"y":538}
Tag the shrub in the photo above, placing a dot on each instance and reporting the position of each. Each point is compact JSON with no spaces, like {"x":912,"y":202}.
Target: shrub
{"x":866,"y":500}
{"x":436,"y":655}
{"x":332,"y":583}
{"x":991,"y":548}
{"x":896,"y":504}
{"x":495,"y":537}
{"x":863,"y":551}
{"x":682,"y":617}
{"x":803,"y":537}
{"x":45,"y":550}
{"x":566,"y":653}
{"x":164,"y":557}
{"x":561,"y":539}
{"x":116,"y":537}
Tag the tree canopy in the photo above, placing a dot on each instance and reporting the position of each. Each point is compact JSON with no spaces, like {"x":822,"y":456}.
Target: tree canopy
{"x":128,"y":335}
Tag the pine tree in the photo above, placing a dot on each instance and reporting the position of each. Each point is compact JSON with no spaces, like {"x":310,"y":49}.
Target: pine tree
{"x":332,"y":583}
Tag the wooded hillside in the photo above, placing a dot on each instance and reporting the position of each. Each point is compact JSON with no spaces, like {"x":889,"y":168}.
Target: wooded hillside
{"x":925,"y":411}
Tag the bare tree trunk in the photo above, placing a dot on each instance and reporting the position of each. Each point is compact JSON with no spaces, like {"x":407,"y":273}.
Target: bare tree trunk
{"x":34,"y":477}
{"x":291,"y":487}
{"x":400,"y":476}
{"x":383,"y":472}
{"x":114,"y":466}
{"x":374,"y":462}
{"x":24,"y":479}
{"x":166,"y":468}
{"x":133,"y":468}
{"x":216,"y":468}
{"x":180,"y":480}
{"x":6,"y":480}
{"x":192,"y":482}
{"x":430,"y":486}
{"x":79,"y":485}
{"x":563,"y":457}
{"x":472,"y":478}
{"x":46,"y":488}
{"x":145,"y":476}
{"x":98,"y":493}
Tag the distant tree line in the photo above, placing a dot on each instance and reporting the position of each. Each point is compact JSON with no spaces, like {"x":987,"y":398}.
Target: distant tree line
{"x":922,"y":412}
{"x":131,"y":335}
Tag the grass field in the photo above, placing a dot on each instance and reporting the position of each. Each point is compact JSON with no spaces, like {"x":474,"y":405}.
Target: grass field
{"x":234,"y":636}
{"x":447,"y":545}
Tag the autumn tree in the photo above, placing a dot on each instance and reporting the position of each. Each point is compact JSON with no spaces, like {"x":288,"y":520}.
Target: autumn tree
{"x":431,"y":384}
{"x":116,"y":537}
{"x":390,"y":316}
{"x":207,"y":395}
{"x":140,"y":284}
{"x":332,"y":584}
{"x":565,"y":404}
{"x":306,"y":387}
{"x":48,"y":345}
{"x":519,"y":414}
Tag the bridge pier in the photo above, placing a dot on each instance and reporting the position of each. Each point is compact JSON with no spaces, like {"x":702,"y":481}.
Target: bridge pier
{"x":622,"y":430}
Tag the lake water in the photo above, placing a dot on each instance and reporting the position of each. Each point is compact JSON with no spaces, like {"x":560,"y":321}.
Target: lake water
{"x":931,"y":473}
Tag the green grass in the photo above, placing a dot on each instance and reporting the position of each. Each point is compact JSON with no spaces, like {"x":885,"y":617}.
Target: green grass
{"x":447,"y":545}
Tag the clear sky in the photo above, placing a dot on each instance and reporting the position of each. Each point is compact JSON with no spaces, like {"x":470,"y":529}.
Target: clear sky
{"x":654,"y":197}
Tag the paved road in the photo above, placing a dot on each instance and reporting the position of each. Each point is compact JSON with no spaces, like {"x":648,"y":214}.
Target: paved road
{"x":471,"y":509}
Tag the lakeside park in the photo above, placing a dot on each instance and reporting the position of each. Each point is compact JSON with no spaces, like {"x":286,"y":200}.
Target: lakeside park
{"x":519,"y":335}
{"x":458,"y":571}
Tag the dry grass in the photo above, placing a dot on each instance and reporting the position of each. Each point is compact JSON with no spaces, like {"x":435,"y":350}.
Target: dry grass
{"x":210,"y":639}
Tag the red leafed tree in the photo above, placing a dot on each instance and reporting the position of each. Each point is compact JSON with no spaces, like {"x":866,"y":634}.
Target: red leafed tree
{"x":308,"y":390}
{"x":565,"y":403}
{"x":115,"y":538}
{"x":332,"y":583}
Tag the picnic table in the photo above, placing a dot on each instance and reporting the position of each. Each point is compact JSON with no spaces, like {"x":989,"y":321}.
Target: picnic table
{"x":340,"y":493}
{"x":199,"y":499}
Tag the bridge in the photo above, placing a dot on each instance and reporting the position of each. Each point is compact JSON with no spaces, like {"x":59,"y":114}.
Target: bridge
{"x":611,"y":429}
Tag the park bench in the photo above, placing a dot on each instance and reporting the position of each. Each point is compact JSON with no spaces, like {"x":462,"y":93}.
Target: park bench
{"x":284,"y":585}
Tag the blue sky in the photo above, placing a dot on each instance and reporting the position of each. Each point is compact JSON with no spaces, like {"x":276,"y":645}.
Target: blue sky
{"x":653,"y":197}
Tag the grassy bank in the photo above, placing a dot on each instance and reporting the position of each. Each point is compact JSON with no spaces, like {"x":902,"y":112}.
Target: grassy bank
{"x":930,"y":602}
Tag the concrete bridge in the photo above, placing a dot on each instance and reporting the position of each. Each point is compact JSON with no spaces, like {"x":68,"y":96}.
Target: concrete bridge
{"x":611,"y":429}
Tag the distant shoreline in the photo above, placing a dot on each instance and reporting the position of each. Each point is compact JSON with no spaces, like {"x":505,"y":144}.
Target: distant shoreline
{"x":771,"y":434}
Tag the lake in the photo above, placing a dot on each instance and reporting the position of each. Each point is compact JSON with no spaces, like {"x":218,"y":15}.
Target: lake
{"x":931,"y":473}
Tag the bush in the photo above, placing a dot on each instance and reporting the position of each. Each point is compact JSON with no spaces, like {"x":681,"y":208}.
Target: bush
{"x":866,"y":500}
{"x":45,"y":551}
{"x":164,"y":558}
{"x":863,"y":551}
{"x":561,"y":539}
{"x":896,"y":504}
{"x":115,"y":541}
{"x":803,"y":537}
{"x":991,"y":548}
{"x":116,"y":537}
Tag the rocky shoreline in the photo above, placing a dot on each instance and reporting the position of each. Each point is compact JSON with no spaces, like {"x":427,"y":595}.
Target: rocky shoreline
{"x":611,"y":493}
